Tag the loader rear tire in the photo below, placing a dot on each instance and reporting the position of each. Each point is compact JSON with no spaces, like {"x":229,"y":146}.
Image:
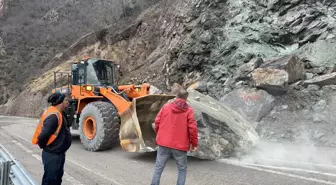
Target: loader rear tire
{"x":107,"y":124}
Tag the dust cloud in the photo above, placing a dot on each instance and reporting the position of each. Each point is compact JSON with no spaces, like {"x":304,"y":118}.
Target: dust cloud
{"x":289,"y":155}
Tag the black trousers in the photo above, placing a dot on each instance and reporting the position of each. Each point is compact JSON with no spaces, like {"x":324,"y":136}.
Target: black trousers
{"x":53,"y":168}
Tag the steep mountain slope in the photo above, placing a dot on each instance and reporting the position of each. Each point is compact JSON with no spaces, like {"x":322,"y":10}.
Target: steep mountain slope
{"x":33,"y":32}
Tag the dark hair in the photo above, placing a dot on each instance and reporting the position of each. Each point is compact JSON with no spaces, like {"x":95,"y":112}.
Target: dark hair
{"x":56,"y":98}
{"x":182,"y":94}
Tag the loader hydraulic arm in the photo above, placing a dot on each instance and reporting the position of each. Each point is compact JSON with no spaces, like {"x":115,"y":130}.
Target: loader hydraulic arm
{"x":118,"y":101}
{"x":135,"y":91}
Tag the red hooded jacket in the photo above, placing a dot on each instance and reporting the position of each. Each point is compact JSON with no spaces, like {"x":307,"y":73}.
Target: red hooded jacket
{"x":176,"y":127}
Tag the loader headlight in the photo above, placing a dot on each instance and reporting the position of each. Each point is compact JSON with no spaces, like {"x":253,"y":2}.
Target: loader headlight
{"x":89,"y":88}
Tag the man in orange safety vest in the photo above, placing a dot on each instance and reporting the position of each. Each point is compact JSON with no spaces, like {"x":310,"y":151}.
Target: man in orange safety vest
{"x":53,"y":135}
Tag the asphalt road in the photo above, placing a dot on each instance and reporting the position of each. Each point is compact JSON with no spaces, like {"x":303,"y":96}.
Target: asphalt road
{"x":117,"y":167}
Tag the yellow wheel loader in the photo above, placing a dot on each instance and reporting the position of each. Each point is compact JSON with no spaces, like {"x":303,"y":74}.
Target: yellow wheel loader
{"x":106,"y":113}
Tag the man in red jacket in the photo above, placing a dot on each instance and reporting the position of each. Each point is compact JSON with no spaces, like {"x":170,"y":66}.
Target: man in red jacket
{"x":175,"y":129}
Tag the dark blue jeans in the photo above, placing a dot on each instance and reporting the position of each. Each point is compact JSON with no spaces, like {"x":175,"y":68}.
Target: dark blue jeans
{"x":53,"y":168}
{"x":163,"y":154}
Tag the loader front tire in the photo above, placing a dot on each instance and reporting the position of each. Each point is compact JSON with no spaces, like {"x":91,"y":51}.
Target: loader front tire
{"x":103,"y":119}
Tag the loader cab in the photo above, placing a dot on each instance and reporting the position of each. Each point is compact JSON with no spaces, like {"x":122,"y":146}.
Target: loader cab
{"x":94,"y":72}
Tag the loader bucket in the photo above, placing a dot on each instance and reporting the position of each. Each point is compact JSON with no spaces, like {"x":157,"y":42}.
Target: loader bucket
{"x":136,"y":131}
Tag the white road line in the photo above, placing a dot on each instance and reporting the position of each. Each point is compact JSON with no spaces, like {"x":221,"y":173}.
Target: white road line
{"x":92,"y":171}
{"x":67,"y":177}
{"x":71,"y":179}
{"x":21,"y":137}
{"x":293,"y":169}
{"x":38,"y":157}
{"x":286,"y":168}
{"x":5,"y":135}
{"x":301,"y":163}
{"x":279,"y":173}
{"x":79,"y":165}
{"x":21,"y":146}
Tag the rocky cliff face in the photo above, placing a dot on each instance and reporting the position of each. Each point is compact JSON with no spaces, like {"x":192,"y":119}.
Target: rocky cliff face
{"x":228,"y":34}
{"x":274,"y":57}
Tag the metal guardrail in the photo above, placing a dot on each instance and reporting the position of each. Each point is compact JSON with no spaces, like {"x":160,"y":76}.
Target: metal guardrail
{"x":12,"y":172}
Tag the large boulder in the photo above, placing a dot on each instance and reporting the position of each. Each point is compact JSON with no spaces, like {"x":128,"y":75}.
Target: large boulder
{"x":222,"y":131}
{"x":251,"y":103}
{"x":292,"y":64}
{"x":327,"y":79}
{"x":274,"y":81}
{"x":275,"y":75}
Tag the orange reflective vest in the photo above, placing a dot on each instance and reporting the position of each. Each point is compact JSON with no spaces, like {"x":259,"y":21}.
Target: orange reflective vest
{"x":51,"y":110}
